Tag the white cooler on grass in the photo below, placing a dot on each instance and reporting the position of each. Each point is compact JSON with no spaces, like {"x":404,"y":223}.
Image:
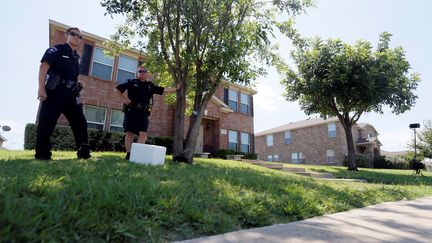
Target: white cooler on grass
{"x":147,"y":154}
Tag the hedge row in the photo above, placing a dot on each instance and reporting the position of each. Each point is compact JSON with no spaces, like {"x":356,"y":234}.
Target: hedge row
{"x":63,"y":139}
{"x":400,"y":163}
{"x":222,"y":153}
{"x":362,"y":161}
{"x":382,"y":162}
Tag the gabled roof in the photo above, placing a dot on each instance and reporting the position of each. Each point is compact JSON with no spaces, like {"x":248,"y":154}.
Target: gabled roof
{"x":297,"y":125}
{"x":88,"y":36}
{"x":364,"y":125}
{"x":240,"y":87}
{"x":366,"y":141}
{"x":223,"y":107}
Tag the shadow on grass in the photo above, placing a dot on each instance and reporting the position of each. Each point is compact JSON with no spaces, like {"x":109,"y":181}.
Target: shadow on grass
{"x":109,"y":198}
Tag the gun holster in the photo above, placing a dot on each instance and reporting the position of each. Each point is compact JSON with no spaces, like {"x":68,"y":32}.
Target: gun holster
{"x":52,"y":81}
{"x":73,"y":86}
{"x":125,"y":108}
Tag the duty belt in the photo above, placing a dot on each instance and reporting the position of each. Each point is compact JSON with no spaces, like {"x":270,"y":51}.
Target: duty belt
{"x":53,"y":81}
{"x":137,"y":106}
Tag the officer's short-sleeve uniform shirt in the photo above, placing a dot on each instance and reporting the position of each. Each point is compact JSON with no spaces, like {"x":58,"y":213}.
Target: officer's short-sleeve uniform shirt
{"x":63,"y":61}
{"x":140,"y":92}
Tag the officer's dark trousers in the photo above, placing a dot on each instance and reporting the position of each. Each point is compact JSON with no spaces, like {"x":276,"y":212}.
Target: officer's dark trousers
{"x":59,"y":101}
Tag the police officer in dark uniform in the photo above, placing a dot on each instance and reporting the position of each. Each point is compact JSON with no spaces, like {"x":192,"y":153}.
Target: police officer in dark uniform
{"x":59,"y":93}
{"x":137,"y":106}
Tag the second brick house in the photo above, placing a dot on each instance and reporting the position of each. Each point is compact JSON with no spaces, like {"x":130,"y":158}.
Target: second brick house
{"x":315,"y":141}
{"x":227,"y":122}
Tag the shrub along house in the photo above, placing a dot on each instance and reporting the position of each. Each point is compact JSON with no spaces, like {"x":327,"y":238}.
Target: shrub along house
{"x":228,"y":119}
{"x":315,"y":141}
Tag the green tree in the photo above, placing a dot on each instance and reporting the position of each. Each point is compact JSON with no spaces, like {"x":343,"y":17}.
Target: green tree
{"x":196,"y":44}
{"x":424,"y":141}
{"x":335,"y":79}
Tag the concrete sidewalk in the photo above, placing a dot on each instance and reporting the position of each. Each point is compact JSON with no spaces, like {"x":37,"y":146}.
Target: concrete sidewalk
{"x":402,"y":221}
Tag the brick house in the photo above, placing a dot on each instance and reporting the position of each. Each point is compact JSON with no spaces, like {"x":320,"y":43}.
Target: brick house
{"x":315,"y":141}
{"x":227,"y":122}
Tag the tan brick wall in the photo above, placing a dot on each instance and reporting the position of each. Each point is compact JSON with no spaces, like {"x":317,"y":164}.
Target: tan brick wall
{"x":100,"y":93}
{"x":313,"y":142}
{"x":219,"y":93}
{"x":363,"y":133}
{"x":370,"y":148}
{"x":213,"y":111}
{"x":236,"y":122}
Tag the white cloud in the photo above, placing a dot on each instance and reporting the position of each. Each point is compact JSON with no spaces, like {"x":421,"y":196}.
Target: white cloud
{"x":15,"y":137}
{"x":267,"y":98}
{"x":395,"y":140}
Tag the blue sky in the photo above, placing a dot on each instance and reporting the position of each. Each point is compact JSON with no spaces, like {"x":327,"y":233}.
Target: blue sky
{"x":24,"y":38}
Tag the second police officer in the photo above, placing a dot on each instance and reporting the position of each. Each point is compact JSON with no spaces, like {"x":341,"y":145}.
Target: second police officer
{"x":137,"y":106}
{"x":59,"y":93}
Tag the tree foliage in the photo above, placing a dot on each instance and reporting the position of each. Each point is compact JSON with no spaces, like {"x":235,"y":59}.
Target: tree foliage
{"x":335,"y":79}
{"x":424,"y":140}
{"x":196,"y":44}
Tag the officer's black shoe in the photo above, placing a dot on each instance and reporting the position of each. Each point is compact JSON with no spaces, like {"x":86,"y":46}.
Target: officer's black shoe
{"x":127,"y":155}
{"x":84,"y":151}
{"x":41,"y":157}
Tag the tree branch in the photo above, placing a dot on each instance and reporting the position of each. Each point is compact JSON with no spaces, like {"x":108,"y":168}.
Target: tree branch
{"x":161,"y":26}
{"x":356,"y":117}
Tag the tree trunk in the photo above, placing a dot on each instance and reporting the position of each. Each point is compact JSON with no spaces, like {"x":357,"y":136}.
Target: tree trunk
{"x":352,"y":165}
{"x":192,"y":136}
{"x":194,"y":128}
{"x":347,"y":124}
{"x":179,"y":116}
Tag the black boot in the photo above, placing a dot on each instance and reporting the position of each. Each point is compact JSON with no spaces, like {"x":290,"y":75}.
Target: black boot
{"x":84,"y":151}
{"x":43,"y":153}
{"x":42,"y":157}
{"x":127,"y":155}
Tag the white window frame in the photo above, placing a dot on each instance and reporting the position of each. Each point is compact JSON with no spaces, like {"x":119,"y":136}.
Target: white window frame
{"x":101,"y":63}
{"x":294,"y":158}
{"x":287,"y":138}
{"x":242,"y":97}
{"x":331,"y":158}
{"x":93,"y":122}
{"x":297,"y":158}
{"x":331,"y":133}
{"x":270,"y":157}
{"x":126,"y":70}
{"x":243,"y":143}
{"x":275,"y":157}
{"x":111,"y":116}
{"x":230,"y":98}
{"x":269,"y":140}
{"x":229,"y":139}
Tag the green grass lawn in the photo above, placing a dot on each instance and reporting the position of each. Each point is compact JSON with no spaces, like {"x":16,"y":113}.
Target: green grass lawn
{"x":108,"y":198}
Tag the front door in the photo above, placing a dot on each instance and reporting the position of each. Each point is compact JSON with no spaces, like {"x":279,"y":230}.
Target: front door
{"x":200,"y":141}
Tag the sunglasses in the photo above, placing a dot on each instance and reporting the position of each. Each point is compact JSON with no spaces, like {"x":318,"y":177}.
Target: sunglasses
{"x":75,"y":35}
{"x":142,"y":71}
